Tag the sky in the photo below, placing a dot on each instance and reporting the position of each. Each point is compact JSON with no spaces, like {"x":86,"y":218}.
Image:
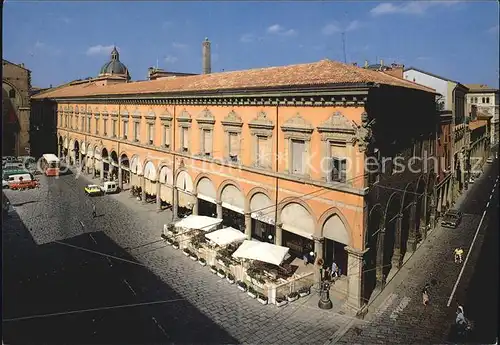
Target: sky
{"x":63,"y":41}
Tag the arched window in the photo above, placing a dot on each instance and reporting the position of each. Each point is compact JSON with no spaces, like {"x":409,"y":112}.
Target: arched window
{"x":12,"y":93}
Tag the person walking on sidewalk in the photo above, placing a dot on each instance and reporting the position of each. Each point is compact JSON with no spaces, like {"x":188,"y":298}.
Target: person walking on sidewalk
{"x":94,"y":213}
{"x":425,"y":295}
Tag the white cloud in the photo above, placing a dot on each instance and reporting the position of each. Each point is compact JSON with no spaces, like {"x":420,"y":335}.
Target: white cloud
{"x":40,"y":46}
{"x":330,"y":29}
{"x":169,"y":59}
{"x":410,"y":7}
{"x":100,"y":50}
{"x":277,"y":29}
{"x":354,"y":25}
{"x":247,"y":38}
{"x":177,"y":45}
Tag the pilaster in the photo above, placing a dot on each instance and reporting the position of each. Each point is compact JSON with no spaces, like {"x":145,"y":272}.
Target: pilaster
{"x":355,"y":274}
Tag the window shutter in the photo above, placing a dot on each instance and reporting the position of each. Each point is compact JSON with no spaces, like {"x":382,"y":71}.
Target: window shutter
{"x":185,"y":138}
{"x":343,"y":170}
{"x":335,"y":169}
{"x":330,"y":170}
{"x":234,"y":144}
{"x":297,"y":156}
{"x":263,"y":152}
{"x":207,"y":141}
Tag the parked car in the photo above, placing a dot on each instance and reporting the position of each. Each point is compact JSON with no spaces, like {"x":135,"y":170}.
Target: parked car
{"x":471,"y":180}
{"x":451,"y":219}
{"x":23,"y":184}
{"x":93,"y":190}
{"x":489,"y":160}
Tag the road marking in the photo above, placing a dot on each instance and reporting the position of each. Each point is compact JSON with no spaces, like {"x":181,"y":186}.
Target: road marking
{"x":130,"y":287}
{"x":491,"y":196}
{"x":91,"y":310}
{"x":83,"y":225}
{"x":93,"y":239}
{"x":109,"y":261}
{"x":488,"y":204}
{"x":159,"y":326}
{"x":402,"y":305}
{"x":466,"y":259}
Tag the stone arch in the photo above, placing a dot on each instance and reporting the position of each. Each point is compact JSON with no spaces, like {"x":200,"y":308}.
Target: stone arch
{"x":261,"y":205}
{"x":150,"y":177}
{"x":373,"y":241}
{"x":254,"y":191}
{"x":135,"y":171}
{"x":76,"y":151}
{"x":296,"y":216}
{"x":183,"y":181}
{"x":326,"y":217}
{"x":205,"y":188}
{"x":231,"y":196}
{"x":420,"y":211}
{"x":407,"y":210}
{"x":166,"y":180}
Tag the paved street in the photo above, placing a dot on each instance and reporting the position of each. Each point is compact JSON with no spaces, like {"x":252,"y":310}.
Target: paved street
{"x":67,"y":291}
{"x":403,"y":319}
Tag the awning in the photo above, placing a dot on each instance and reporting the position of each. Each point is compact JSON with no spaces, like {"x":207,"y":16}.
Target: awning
{"x":226,"y":236}
{"x":193,"y":222}
{"x":296,"y":231}
{"x":233,"y":208}
{"x":261,"y":251}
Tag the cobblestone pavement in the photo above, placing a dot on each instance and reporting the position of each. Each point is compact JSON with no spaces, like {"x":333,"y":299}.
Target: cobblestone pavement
{"x":61,"y":211}
{"x":402,"y":318}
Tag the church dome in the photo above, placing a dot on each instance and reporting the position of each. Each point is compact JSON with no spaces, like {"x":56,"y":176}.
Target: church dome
{"x":114,"y":67}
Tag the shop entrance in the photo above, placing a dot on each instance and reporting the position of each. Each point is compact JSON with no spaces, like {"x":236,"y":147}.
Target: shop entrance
{"x":334,"y":251}
{"x":233,"y":219}
{"x":206,"y":208}
{"x":263,"y":232}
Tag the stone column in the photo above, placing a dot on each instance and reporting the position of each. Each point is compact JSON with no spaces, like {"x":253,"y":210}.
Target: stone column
{"x":219,"y":209}
{"x":355,"y":274}
{"x":143,"y":189}
{"x":318,"y":254}
{"x":120,"y":177}
{"x":175,"y":202}
{"x":248,"y":225}
{"x":397,"y":258}
{"x":278,"y":239}
{"x":59,"y":153}
{"x":379,"y":269}
{"x":423,"y":217}
{"x":93,"y":167}
{"x":411,"y":245}
{"x":102,"y":170}
{"x":158,"y":199}
{"x":432,"y":218}
{"x":80,"y":158}
{"x":195,"y":207}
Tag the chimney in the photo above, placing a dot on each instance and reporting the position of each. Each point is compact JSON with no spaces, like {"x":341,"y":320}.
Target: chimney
{"x":381,"y":62}
{"x":207,"y":68}
{"x":366,"y":63}
{"x":396,"y":70}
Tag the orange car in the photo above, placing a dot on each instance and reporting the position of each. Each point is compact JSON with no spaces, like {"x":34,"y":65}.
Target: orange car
{"x":24,"y":184}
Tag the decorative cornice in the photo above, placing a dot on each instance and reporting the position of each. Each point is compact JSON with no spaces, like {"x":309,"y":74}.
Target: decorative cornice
{"x":261,"y":122}
{"x":151,"y":116}
{"x":232,"y":119}
{"x":136,"y":114}
{"x":297,"y":124}
{"x":206,"y":117}
{"x":184,"y":116}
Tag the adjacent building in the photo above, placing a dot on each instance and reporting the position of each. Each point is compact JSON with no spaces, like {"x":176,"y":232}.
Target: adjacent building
{"x":16,"y":85}
{"x":279,"y":153}
{"x":487,"y":101}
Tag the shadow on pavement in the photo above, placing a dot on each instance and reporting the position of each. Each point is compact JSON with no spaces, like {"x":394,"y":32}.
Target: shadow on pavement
{"x":54,"y":278}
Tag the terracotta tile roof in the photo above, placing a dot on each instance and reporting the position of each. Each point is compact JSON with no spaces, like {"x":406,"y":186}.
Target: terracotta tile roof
{"x":322,"y":73}
{"x":480,"y":88}
{"x":477,"y":123}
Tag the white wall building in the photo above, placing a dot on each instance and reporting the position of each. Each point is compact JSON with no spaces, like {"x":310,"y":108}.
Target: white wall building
{"x":487,"y":100}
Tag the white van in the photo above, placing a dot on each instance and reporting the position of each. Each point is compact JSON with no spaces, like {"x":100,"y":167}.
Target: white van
{"x":19,"y":177}
{"x":109,"y":187}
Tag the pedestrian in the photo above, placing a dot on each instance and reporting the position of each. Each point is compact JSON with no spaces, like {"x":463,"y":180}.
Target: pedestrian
{"x":94,"y":212}
{"x":425,"y":295}
{"x":328,"y":274}
{"x":306,"y":259}
{"x":335,"y":270}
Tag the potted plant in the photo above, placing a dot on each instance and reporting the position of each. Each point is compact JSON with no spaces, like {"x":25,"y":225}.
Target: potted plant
{"x":193,"y":256}
{"x":241,"y":285}
{"x":281,"y":301}
{"x":175,"y":245}
{"x":230,"y":278}
{"x":213,"y":269}
{"x":292,"y":296}
{"x":221,"y":273}
{"x":262,"y":299}
{"x":186,"y":252}
{"x":202,"y":261}
{"x":304,"y":291}
{"x":251,"y":292}
{"x":170,"y":241}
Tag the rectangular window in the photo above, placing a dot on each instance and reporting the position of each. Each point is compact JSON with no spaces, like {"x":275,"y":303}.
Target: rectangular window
{"x":125,"y":129}
{"x":82,"y":126}
{"x":298,"y":150}
{"x":96,"y":126}
{"x":234,"y":147}
{"x":150,"y":134}
{"x":105,"y":126}
{"x":207,"y":143}
{"x":113,"y":129}
{"x":338,"y":169}
{"x":166,"y":136}
{"x":88,"y":124}
{"x":136,"y":131}
{"x":184,"y":139}
{"x":263,"y":158}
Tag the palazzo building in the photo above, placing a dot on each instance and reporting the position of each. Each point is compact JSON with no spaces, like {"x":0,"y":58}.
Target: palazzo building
{"x":276,"y":152}
{"x":16,"y":85}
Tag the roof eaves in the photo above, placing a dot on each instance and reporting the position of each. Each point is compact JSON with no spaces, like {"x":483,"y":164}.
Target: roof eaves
{"x":429,"y":73}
